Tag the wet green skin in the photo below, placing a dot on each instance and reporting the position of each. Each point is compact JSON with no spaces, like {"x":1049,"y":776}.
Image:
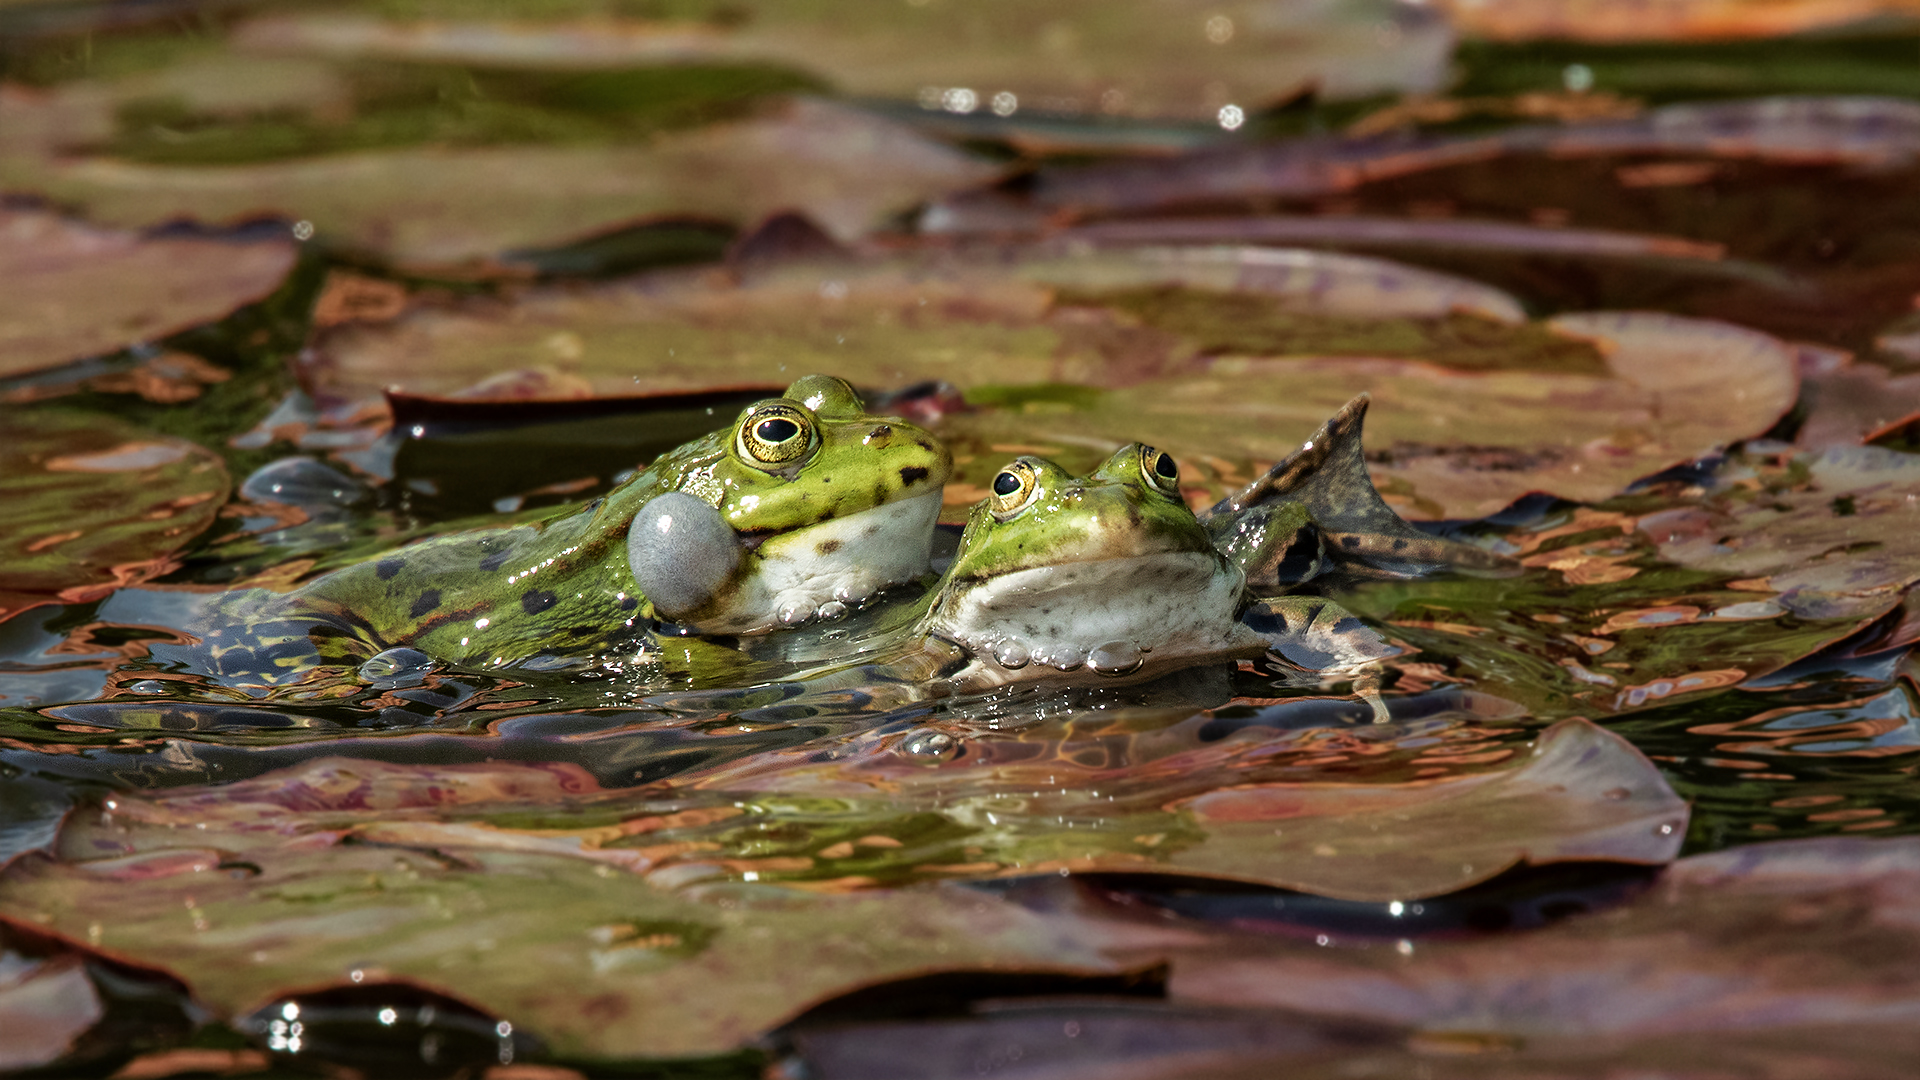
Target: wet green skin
{"x":1113,"y":574}
{"x":560,"y":592}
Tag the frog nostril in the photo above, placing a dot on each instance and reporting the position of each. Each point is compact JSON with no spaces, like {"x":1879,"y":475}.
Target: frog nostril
{"x":881,"y":432}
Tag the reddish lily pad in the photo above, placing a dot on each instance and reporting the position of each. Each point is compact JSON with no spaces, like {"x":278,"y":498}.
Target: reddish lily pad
{"x":76,"y":291}
{"x":846,"y":168}
{"x":1797,"y":933}
{"x":596,"y":963}
{"x":1842,"y":542}
{"x":879,"y":323}
{"x":1661,"y":20}
{"x":94,"y":504}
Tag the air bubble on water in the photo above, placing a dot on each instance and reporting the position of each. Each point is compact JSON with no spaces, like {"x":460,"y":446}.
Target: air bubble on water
{"x":148,"y":686}
{"x":395,"y":666}
{"x":929,"y":744}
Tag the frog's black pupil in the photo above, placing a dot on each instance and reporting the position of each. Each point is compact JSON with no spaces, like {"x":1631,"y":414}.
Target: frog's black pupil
{"x":1006,"y":484}
{"x":776,"y":430}
{"x":1165,"y":467}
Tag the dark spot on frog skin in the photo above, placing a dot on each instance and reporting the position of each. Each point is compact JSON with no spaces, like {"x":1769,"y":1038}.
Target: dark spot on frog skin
{"x":1349,"y":625}
{"x":1399,"y":545}
{"x":912,"y":474}
{"x":387,"y":568}
{"x":827,"y":547}
{"x":535,"y":601}
{"x":1350,"y":542}
{"x":629,"y":603}
{"x":424,"y":603}
{"x":583,"y":631}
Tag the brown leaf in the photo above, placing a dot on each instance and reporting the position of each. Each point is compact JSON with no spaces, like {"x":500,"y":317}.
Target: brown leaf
{"x":76,"y":291}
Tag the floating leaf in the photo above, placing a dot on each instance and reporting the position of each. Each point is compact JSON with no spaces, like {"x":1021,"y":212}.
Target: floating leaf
{"x":594,"y":962}
{"x":1670,"y":22}
{"x":1447,"y":444}
{"x":1800,"y":934}
{"x":880,"y":323}
{"x":1839,"y":544}
{"x":75,"y":291}
{"x":94,"y":503}
{"x":1182,"y":59}
{"x":845,"y":168}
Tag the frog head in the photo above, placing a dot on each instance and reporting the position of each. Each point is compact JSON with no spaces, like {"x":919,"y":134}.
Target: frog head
{"x":804,"y":505}
{"x":1096,"y":570}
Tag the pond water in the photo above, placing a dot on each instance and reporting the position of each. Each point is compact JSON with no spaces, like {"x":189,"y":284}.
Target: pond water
{"x":1650,"y":339}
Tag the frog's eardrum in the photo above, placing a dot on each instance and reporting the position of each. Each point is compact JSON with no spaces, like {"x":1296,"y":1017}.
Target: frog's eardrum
{"x":682,"y":553}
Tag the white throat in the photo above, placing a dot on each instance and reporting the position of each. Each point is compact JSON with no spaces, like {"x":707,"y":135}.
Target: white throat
{"x":1106,"y":614}
{"x":821,"y":570}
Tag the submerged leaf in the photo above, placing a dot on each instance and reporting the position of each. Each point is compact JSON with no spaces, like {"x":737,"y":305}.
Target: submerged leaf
{"x":94,"y":503}
{"x":594,"y":962}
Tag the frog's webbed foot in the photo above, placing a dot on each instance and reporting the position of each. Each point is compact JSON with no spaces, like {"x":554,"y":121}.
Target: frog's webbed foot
{"x":681,"y":552}
{"x":1319,"y":636}
{"x":1355,"y":530}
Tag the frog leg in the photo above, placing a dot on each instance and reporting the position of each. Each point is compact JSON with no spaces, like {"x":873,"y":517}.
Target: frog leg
{"x":1276,"y":544}
{"x":1327,"y":478}
{"x":1317,"y":635}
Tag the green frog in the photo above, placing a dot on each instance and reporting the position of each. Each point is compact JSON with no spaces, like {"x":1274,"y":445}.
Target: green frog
{"x":1112,"y":573}
{"x":1107,"y":577}
{"x":804,"y":507}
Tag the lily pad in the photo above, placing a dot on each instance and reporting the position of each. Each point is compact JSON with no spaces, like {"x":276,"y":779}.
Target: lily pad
{"x":846,"y":168}
{"x":94,"y":504}
{"x":1669,"y":21}
{"x":1181,"y":59}
{"x":1577,"y":794}
{"x":1799,"y":934}
{"x":1446,"y":444}
{"x":1841,"y":542}
{"x":76,"y":291}
{"x":593,"y":961}
{"x":883,"y":323}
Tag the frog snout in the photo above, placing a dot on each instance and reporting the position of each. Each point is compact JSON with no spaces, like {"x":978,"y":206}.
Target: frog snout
{"x":681,"y":552}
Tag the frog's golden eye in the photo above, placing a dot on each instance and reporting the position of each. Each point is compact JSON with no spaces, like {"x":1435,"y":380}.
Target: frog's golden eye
{"x":1013,"y":488}
{"x":1158,"y":467}
{"x":776,"y":434}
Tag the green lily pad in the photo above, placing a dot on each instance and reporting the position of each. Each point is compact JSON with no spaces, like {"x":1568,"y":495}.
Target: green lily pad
{"x":94,"y":504}
{"x":75,"y":291}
